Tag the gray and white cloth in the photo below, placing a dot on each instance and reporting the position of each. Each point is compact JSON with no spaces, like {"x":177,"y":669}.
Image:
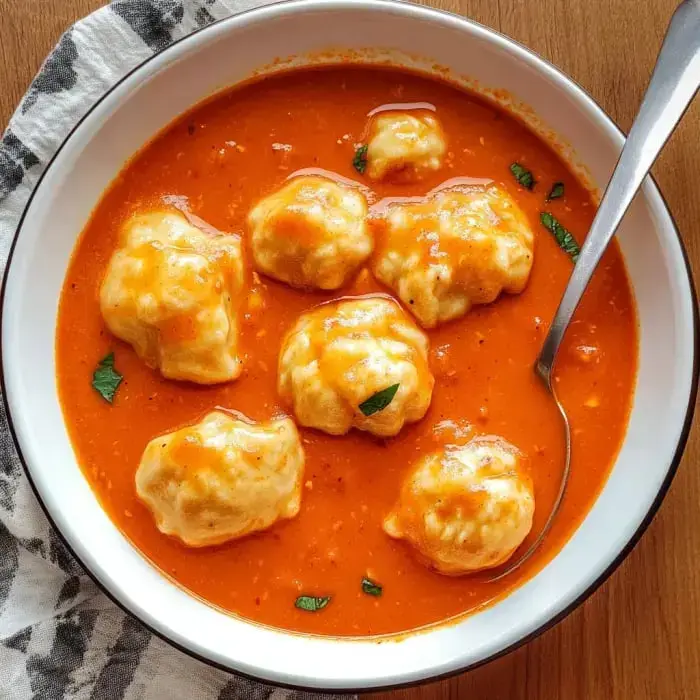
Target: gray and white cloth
{"x":60,"y":637}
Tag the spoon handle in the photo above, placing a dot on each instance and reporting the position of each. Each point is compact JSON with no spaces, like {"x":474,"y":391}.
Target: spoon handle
{"x":673,"y":84}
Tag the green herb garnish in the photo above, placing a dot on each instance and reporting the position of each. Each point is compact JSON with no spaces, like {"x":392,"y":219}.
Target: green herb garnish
{"x":523,"y":176}
{"x":379,"y":401}
{"x":359,"y":162}
{"x":556,"y":191}
{"x":371,"y":588}
{"x":106,"y":379}
{"x":311,"y":603}
{"x":563,"y":237}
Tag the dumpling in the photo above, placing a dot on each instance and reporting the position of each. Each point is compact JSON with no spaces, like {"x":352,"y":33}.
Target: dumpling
{"x":222,"y":478}
{"x":312,"y":233}
{"x":171,"y":291}
{"x":404,"y":146}
{"x":465,"y":508}
{"x":458,"y":248}
{"x":356,"y":363}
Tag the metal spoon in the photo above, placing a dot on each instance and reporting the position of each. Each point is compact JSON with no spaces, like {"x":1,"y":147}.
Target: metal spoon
{"x":673,"y":84}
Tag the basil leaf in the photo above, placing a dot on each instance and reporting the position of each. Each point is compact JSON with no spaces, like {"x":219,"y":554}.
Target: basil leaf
{"x":563,"y":237}
{"x":359,"y":162}
{"x":379,"y":401}
{"x":523,"y":176}
{"x":106,"y":379}
{"x":371,"y":588}
{"x":556,"y":191}
{"x":312,"y":603}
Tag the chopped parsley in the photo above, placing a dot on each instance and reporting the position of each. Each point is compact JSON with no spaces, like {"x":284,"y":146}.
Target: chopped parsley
{"x":523,"y":176}
{"x":371,"y":588}
{"x":359,"y":162}
{"x":556,"y":191}
{"x":563,"y":237}
{"x":106,"y":379}
{"x":312,"y":603}
{"x":379,"y":401}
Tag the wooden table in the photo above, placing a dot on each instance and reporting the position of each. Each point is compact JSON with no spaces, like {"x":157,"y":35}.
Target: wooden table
{"x":638,"y":636}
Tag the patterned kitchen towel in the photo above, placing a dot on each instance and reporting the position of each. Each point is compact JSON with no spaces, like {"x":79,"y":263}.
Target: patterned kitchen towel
{"x":60,"y":637}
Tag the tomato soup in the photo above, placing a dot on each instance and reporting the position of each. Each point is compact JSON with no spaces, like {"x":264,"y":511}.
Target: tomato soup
{"x":218,"y":161}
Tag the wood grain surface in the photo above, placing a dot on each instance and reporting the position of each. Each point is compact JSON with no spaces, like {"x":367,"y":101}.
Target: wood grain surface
{"x":638,"y":636}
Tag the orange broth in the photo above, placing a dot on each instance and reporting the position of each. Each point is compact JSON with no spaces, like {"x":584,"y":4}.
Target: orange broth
{"x":220,"y":156}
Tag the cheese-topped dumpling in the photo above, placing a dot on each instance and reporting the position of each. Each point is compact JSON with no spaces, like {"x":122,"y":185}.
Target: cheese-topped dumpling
{"x":356,"y":363}
{"x":222,"y":478}
{"x":312,"y":233}
{"x":458,"y":248}
{"x":404,"y":146}
{"x":171,"y":291}
{"x":465,"y":508}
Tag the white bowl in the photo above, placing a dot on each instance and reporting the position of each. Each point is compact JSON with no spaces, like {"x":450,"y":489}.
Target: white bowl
{"x":150,"y":97}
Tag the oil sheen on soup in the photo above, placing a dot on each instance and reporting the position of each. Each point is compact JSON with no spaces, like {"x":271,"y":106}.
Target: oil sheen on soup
{"x":324,"y":292}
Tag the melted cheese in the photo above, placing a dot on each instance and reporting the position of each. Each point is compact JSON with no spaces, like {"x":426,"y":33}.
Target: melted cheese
{"x":340,"y":354}
{"x":171,"y":291}
{"x":465,"y":508}
{"x":311,"y":233}
{"x":222,"y":478}
{"x":458,"y":248}
{"x":404,"y":146}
